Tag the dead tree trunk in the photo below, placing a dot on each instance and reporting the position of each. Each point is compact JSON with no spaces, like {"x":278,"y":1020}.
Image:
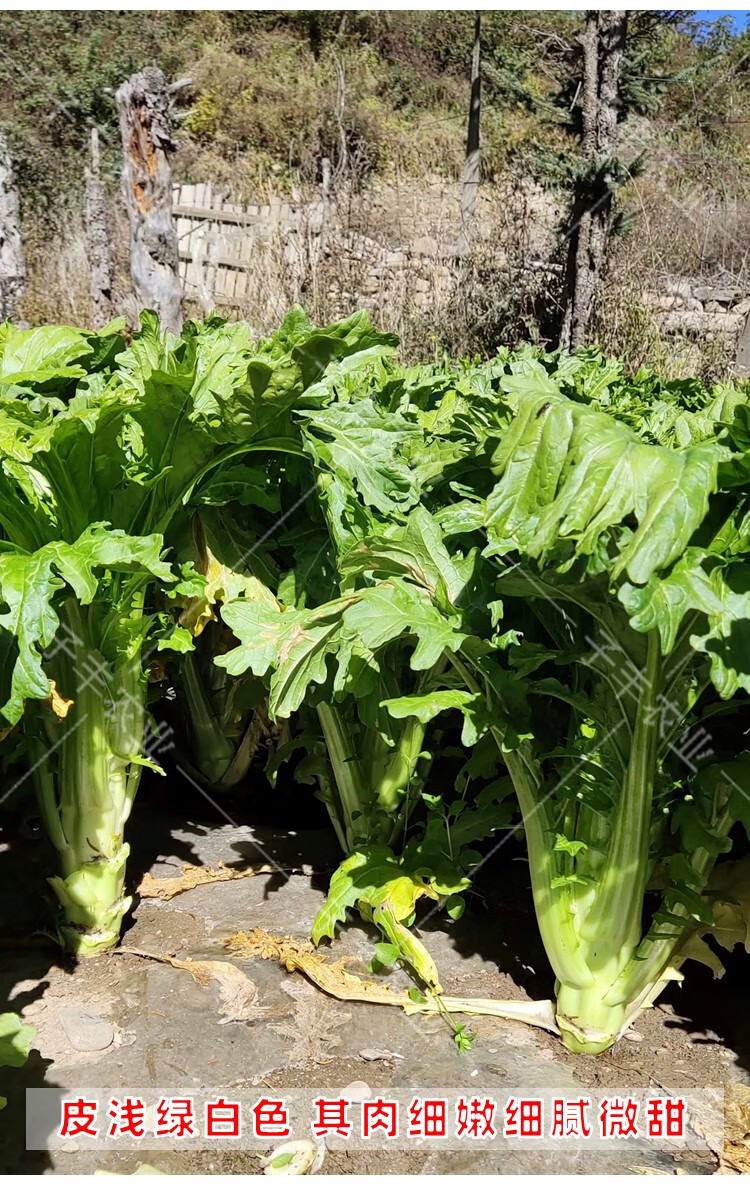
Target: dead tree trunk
{"x":603,"y":47}
{"x":472,"y":162}
{"x":143,"y":104}
{"x":12,"y":260}
{"x":98,"y":246}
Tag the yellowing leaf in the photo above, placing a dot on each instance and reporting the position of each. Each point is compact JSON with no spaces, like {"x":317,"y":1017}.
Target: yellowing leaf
{"x":238,"y":995}
{"x":222,"y":584}
{"x":192,"y":876}
{"x":58,"y":703}
{"x":333,"y":978}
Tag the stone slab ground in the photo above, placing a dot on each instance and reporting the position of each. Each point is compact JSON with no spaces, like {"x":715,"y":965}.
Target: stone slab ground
{"x":124,"y":1022}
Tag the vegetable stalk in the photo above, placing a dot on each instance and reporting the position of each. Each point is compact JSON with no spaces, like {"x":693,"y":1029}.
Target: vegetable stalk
{"x":86,"y":798}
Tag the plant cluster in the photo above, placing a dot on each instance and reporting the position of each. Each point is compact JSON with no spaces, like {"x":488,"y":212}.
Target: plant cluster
{"x":532,"y":571}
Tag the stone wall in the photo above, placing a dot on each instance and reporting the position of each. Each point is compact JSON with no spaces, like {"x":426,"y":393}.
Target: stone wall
{"x":685,"y":306}
{"x":395,"y":247}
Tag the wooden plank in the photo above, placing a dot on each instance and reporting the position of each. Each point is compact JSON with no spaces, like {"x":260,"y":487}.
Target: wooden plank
{"x":195,"y":210}
{"x":222,"y":262}
{"x":214,"y":273}
{"x":197,"y":254}
{"x":742,"y":359}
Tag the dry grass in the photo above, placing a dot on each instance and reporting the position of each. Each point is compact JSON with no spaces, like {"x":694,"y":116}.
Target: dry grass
{"x":696,"y":234}
{"x":58,"y":272}
{"x":390,"y":248}
{"x":58,"y":284}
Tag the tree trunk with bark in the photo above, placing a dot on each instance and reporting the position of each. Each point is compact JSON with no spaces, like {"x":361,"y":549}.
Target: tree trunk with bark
{"x":603,"y":47}
{"x":472,"y":162}
{"x":12,"y":259}
{"x":144,"y":108}
{"x":98,"y":245}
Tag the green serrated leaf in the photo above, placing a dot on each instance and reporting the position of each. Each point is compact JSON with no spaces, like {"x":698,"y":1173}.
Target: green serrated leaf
{"x":15,"y":1041}
{"x":563,"y":845}
{"x":178,"y":640}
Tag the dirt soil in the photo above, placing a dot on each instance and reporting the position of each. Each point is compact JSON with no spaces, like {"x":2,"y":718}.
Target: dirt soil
{"x":277,"y":1034}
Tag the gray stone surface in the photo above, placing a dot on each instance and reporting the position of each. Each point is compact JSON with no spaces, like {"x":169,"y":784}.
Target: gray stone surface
{"x":84,"y":1031}
{"x":167,"y":1035}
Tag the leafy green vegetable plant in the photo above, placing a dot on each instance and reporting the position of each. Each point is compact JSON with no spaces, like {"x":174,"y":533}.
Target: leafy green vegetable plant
{"x":540,"y":552}
{"x":616,"y":545}
{"x":346,"y":660}
{"x":562,"y":559}
{"x":616,"y":548}
{"x":94,"y":484}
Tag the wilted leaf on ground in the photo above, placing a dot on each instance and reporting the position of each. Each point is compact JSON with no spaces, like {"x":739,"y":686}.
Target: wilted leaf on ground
{"x":333,"y":977}
{"x":736,"y":1152}
{"x":192,"y":876}
{"x":238,"y":995}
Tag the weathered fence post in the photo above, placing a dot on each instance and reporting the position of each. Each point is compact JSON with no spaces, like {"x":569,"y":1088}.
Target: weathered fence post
{"x":12,"y":260}
{"x":98,"y":247}
{"x":472,"y":162}
{"x":143,"y":104}
{"x":742,"y":358}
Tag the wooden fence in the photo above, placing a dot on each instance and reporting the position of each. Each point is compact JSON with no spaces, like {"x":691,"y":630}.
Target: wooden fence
{"x":219,"y":240}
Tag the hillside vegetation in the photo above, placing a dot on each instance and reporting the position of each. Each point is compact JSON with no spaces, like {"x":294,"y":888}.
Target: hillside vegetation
{"x":384,"y":96}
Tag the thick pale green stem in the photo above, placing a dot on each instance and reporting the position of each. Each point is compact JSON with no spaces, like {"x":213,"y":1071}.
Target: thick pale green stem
{"x":587,"y":1024}
{"x":346,"y":770}
{"x":587,"y":957}
{"x":383,"y":786}
{"x":614,"y":921}
{"x":400,"y":766}
{"x":590,"y":1020}
{"x":212,"y":750}
{"x":554,"y":905}
{"x":86,"y":808}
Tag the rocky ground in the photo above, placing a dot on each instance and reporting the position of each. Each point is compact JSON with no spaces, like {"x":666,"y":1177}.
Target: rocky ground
{"x":125,"y":1023}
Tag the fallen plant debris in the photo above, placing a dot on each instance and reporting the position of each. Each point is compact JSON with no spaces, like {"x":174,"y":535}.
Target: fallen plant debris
{"x":313,"y":1027}
{"x":238,"y":995}
{"x":192,"y":876}
{"x":735,"y":1152}
{"x":303,"y":1157}
{"x":334,"y":978}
